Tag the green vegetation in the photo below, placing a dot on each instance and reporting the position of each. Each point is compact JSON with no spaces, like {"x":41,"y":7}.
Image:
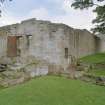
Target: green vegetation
{"x":97,"y":61}
{"x":52,"y":90}
{"x":99,"y":9}
{"x":93,"y":59}
{"x":97,"y":73}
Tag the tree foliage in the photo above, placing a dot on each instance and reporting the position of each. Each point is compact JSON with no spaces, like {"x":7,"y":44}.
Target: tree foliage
{"x":1,"y":3}
{"x":99,"y":10}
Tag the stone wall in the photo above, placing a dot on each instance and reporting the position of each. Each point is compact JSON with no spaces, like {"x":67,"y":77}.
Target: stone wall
{"x":48,"y":41}
{"x":100,"y":44}
{"x":3,"y":43}
{"x":84,"y":43}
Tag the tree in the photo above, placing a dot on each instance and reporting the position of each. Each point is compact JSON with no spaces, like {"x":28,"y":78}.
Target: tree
{"x":99,"y":10}
{"x":1,"y":2}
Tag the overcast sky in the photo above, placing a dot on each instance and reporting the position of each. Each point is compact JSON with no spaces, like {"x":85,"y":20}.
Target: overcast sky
{"x":54,"y":10}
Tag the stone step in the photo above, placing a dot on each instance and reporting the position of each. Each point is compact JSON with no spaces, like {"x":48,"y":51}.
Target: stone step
{"x":3,"y":67}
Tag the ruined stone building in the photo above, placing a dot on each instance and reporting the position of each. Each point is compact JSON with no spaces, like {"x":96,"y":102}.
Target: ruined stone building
{"x":52,"y":43}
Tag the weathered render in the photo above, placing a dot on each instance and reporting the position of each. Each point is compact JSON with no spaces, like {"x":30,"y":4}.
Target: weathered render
{"x":54,"y":44}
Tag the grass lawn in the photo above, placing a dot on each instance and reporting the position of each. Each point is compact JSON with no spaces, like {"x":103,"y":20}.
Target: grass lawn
{"x":92,"y":59}
{"x":52,"y":90}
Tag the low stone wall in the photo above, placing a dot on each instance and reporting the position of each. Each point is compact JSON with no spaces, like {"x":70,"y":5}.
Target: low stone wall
{"x":93,"y":79}
{"x":55,"y":69}
{"x":36,"y":70}
{"x":17,"y":73}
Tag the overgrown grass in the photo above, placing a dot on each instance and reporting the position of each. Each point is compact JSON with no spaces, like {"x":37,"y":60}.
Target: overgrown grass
{"x":98,"y":58}
{"x":92,"y":59}
{"x":52,"y":90}
{"x":97,"y":73}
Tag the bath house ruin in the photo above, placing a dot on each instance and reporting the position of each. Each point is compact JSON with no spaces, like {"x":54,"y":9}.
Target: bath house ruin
{"x":53,"y":44}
